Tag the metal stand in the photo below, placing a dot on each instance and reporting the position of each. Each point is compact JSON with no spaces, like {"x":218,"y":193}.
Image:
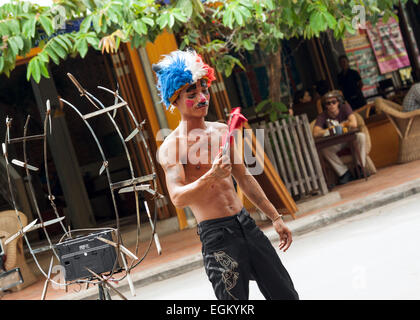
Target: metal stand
{"x":103,"y":292}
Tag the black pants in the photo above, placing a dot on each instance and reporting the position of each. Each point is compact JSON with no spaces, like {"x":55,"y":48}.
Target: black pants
{"x":235,"y":251}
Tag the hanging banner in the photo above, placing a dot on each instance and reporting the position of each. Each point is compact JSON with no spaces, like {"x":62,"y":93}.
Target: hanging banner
{"x":362,"y":59}
{"x":388,"y":45}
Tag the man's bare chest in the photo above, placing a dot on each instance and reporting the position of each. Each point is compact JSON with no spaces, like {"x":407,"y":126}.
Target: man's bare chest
{"x":199,"y":154}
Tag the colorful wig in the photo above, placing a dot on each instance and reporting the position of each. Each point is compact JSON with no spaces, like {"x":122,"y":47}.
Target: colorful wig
{"x":178,"y":70}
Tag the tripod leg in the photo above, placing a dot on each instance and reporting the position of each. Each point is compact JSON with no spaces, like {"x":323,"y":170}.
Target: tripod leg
{"x":101,"y":291}
{"x":44,"y":291}
{"x":156,"y":238}
{"x":130,"y":281}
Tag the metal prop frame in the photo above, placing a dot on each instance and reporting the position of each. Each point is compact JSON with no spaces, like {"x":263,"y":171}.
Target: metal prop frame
{"x":147,"y":183}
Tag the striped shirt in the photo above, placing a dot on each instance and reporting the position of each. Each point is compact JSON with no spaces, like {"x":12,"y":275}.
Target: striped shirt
{"x":412,"y":99}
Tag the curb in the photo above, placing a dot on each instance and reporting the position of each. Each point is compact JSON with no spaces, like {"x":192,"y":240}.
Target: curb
{"x":298,"y":227}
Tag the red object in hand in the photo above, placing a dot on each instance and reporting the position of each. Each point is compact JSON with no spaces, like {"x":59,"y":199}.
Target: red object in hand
{"x":235,"y":122}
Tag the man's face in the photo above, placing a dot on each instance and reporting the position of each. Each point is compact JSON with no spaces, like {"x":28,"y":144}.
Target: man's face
{"x":332,"y":106}
{"x":344,"y":63}
{"x":306,"y":97}
{"x":194,"y":100}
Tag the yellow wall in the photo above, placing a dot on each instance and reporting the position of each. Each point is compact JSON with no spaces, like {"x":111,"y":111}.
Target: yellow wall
{"x":21,"y":60}
{"x":164,"y":44}
{"x":144,"y":89}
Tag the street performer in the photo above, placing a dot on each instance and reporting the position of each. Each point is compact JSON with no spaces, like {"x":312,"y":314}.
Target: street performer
{"x":199,"y":176}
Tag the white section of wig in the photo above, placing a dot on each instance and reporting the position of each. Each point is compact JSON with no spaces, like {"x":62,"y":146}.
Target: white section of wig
{"x":196,"y":67}
{"x":172,"y":108}
{"x":189,"y":58}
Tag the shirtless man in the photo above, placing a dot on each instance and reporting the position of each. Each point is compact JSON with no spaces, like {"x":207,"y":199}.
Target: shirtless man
{"x":234,"y":249}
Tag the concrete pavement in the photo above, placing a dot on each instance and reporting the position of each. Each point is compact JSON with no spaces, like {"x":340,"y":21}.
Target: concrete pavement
{"x":298,"y":227}
{"x":182,"y":249}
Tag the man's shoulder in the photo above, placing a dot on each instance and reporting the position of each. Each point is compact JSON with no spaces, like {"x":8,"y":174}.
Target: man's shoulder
{"x":169,"y":143}
{"x":345,"y":107}
{"x":217,"y":125}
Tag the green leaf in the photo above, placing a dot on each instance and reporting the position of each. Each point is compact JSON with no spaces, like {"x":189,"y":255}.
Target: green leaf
{"x":52,"y":54}
{"x":180,"y":17}
{"x":163,"y":20}
{"x":96,"y":20}
{"x":19,"y":42}
{"x":43,"y":57}
{"x":33,"y":70}
{"x":82,"y":47}
{"x":58,"y":49}
{"x":66,"y":39}
{"x":46,"y":24}
{"x":44,"y":70}
{"x":137,"y":40}
{"x":227,"y":18}
{"x":13,"y":26}
{"x":4,"y":30}
{"x":279,"y":106}
{"x":261,"y":105}
{"x":85,"y":25}
{"x":316,"y":21}
{"x":1,"y":63}
{"x":269,"y":4}
{"x":93,"y":41}
{"x":148,"y":21}
{"x":248,"y":45}
{"x":62,"y":43}
{"x":140,"y":27}
{"x":332,"y":22}
{"x":349,"y":28}
{"x":238,"y":17}
{"x":273,"y":116}
{"x":386,"y":17}
{"x":13,"y":45}
{"x":187,"y":7}
{"x":228,"y":71}
{"x":28,"y":28}
{"x":245,"y":12}
{"x":171,"y":20}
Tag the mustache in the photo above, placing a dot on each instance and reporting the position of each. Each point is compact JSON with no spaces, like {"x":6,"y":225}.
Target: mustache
{"x":202,"y":104}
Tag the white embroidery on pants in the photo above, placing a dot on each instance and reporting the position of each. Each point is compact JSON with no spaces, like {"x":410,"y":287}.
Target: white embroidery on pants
{"x":229,"y":275}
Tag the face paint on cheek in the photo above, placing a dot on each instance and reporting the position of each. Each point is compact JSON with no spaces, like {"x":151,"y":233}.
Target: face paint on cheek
{"x":189,"y":103}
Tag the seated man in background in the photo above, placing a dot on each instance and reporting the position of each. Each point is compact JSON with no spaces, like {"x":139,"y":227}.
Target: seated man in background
{"x":303,"y":103}
{"x":335,"y":109}
{"x":412,"y":98}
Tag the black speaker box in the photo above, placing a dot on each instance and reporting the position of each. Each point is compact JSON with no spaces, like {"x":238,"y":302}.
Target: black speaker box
{"x":87,"y":252}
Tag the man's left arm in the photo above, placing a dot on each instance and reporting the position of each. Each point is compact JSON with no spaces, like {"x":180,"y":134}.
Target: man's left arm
{"x":253,"y":191}
{"x":351,"y":121}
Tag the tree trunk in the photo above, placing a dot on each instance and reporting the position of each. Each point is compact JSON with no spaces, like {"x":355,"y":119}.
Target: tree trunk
{"x":274,"y":74}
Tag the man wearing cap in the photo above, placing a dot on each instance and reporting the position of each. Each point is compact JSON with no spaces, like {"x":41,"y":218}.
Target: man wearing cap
{"x":336,"y":110}
{"x":199,"y":176}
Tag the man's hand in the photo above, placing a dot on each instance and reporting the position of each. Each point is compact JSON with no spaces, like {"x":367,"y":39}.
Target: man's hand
{"x":284,"y":233}
{"x":222,"y":167}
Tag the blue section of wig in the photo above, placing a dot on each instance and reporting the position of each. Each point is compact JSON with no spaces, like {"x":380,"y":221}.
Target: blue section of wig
{"x":171,"y":78}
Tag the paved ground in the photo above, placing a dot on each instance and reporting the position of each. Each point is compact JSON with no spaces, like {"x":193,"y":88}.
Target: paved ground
{"x":371,"y":256}
{"x":389,"y":184}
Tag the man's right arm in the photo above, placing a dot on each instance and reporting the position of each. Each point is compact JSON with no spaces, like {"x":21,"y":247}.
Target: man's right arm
{"x":180,"y":192}
{"x":318,"y":131}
